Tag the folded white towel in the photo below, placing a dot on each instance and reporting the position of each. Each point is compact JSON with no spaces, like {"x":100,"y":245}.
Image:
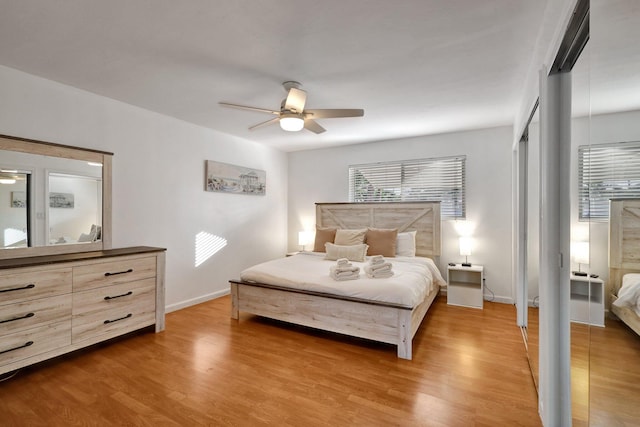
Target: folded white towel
{"x":352,"y":277}
{"x":376,"y":259}
{"x":383,"y":266}
{"x":369,"y":270}
{"x":349,"y":273}
{"x":343,"y":261}
{"x":341,"y":269}
{"x":380,"y":275}
{"x":378,"y":271}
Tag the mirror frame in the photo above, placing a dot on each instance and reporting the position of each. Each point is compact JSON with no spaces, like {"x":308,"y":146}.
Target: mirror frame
{"x":12,"y":143}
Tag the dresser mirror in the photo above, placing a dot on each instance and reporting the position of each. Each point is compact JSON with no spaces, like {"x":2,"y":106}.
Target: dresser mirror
{"x":53,"y":199}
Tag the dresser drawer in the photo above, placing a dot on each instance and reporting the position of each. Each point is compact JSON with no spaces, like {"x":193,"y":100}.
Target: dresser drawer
{"x":141,"y":292}
{"x":121,"y":270}
{"x":93,"y":316}
{"x":34,"y":341}
{"x":29,"y":314}
{"x":21,"y":285}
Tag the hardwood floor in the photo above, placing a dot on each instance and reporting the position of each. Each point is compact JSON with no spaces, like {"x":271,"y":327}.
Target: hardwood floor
{"x":469,"y":369}
{"x":614,"y":380}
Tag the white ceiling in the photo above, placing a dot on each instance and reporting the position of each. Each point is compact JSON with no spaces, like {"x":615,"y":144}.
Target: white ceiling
{"x":415,"y":66}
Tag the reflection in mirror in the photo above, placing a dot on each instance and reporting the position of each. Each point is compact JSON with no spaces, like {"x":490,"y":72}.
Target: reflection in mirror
{"x":14,"y":187}
{"x":579,"y":283}
{"x":533,"y":245}
{"x":614,"y":374}
{"x":54,"y":199}
{"x":75,"y":208}
{"x":63,"y":205}
{"x":527,"y":220}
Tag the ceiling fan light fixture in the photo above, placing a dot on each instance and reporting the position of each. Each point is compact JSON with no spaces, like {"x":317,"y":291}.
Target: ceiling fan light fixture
{"x":291,"y":122}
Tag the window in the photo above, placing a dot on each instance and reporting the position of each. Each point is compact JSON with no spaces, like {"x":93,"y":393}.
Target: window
{"x":607,"y":171}
{"x":435,"y":179}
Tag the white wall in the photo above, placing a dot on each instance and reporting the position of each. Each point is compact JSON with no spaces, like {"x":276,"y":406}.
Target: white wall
{"x":322,"y":176}
{"x":158,"y":180}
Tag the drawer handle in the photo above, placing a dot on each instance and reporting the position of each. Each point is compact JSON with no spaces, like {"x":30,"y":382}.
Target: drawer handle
{"x":107,"y":298}
{"x":106,"y":322}
{"x":26,"y":316}
{"x":27,"y":344}
{"x":107,"y":274}
{"x":29,"y":286}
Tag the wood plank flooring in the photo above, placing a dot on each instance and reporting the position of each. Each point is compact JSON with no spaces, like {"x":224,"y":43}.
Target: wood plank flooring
{"x":614,"y":380}
{"x":469,"y":369}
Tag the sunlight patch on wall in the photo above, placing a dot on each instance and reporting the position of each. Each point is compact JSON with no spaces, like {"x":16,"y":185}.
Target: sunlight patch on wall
{"x":207,"y":245}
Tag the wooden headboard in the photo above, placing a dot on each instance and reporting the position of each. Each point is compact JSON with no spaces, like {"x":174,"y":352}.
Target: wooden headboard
{"x":424,"y":217}
{"x":624,"y":239}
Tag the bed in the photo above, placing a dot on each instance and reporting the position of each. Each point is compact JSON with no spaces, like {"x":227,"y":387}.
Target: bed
{"x":359,"y":315}
{"x":624,"y":260}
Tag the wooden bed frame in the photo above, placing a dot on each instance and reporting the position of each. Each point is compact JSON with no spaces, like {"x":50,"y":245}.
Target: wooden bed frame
{"x":388,"y":323}
{"x":624,"y":252}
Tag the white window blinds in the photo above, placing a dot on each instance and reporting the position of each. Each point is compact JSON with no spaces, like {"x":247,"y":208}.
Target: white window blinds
{"x":438,"y":179}
{"x":607,"y":171}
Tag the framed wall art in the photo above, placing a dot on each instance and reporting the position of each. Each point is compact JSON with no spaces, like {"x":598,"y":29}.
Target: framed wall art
{"x":227,"y":178}
{"x":18,"y":199}
{"x":61,"y":200}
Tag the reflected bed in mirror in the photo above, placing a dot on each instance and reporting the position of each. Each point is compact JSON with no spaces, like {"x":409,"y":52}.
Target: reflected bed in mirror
{"x":53,"y":198}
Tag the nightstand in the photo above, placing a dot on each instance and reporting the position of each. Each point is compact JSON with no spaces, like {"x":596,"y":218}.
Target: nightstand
{"x":465,"y":286}
{"x":587,"y":300}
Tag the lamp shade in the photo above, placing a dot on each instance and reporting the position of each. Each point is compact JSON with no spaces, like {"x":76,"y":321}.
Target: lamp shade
{"x":291,"y":122}
{"x":580,"y":252}
{"x":465,"y":246}
{"x":304,"y":238}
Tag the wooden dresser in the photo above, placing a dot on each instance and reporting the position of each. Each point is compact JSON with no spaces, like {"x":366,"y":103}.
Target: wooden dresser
{"x":51,"y":305}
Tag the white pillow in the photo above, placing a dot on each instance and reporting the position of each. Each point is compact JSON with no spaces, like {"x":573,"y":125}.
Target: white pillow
{"x":351,"y":252}
{"x":629,"y":293}
{"x":84,"y":238}
{"x":350,"y":237}
{"x":406,"y":244}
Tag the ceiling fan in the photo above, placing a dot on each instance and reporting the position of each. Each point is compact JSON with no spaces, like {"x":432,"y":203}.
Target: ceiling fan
{"x":292,"y":115}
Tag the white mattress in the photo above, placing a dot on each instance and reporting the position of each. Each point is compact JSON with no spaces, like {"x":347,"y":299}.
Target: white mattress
{"x":413,"y":279}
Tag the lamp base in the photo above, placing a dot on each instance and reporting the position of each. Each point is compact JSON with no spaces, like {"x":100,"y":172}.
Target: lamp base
{"x":466,"y":264}
{"x":579,"y":273}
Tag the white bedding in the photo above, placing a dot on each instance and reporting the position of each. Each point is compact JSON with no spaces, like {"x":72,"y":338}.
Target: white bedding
{"x":629,"y":293}
{"x":413,"y":279}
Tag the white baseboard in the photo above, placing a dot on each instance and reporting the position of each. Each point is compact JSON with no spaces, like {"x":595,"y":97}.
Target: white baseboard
{"x":501,"y":300}
{"x":188,"y":303}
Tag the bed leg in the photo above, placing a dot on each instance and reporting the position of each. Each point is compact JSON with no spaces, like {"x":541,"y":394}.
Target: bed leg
{"x":404,"y":336}
{"x":235,"y":310}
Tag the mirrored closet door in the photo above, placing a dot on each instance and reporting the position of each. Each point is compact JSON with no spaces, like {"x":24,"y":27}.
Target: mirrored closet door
{"x":614,"y":159}
{"x":528,"y":199}
{"x":580,"y":281}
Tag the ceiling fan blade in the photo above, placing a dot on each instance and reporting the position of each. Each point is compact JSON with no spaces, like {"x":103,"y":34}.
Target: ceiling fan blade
{"x":295,"y":100}
{"x":333,"y":113}
{"x":268,"y":122}
{"x":244,"y":107}
{"x":313,"y":126}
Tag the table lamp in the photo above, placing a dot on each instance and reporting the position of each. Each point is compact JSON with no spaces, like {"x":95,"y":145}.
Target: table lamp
{"x":580,"y":253}
{"x":465,"y":249}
